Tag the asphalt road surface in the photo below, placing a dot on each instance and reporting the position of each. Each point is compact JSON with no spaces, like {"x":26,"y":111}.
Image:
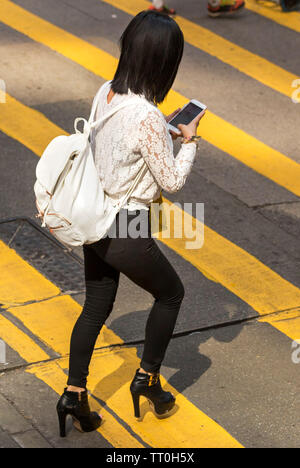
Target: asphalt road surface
{"x":234,"y":360}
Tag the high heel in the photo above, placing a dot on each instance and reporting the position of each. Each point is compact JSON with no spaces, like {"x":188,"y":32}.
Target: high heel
{"x":76,"y":404}
{"x":149,"y":386}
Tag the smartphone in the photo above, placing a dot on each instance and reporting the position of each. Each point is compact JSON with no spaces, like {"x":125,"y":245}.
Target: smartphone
{"x":188,"y":113}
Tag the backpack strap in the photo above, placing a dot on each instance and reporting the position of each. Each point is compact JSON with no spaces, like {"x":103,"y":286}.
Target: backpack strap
{"x":129,"y":102}
{"x":89,"y":125}
{"x":138,"y":177}
{"x":96,"y":101}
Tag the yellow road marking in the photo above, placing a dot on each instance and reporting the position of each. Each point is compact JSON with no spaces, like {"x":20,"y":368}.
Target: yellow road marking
{"x":208,"y":267}
{"x":53,"y":320}
{"x":232,"y":267}
{"x":207,"y":441}
{"x":20,"y":342}
{"x":188,"y":427}
{"x":15,"y":118}
{"x":286,"y":322}
{"x":236,"y":270}
{"x":53,"y":375}
{"x":243,"y":60}
{"x":57,"y":39}
{"x":230,"y":139}
{"x":23,"y":124}
{"x":110,"y":375}
{"x":250,"y":151}
{"x":274,"y":12}
{"x":19,"y":281}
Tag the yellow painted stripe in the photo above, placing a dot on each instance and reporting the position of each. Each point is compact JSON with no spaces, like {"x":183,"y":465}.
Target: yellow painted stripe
{"x":53,"y":320}
{"x":246,"y":62}
{"x":15,"y":118}
{"x":23,"y":124}
{"x":57,"y":39}
{"x":53,"y":375}
{"x":19,"y":281}
{"x":226,"y":263}
{"x":273,"y":11}
{"x":228,"y":138}
{"x":250,"y":151}
{"x":20,"y":342}
{"x":294,"y":297}
{"x":286,"y":322}
{"x":110,"y":375}
{"x":268,"y":292}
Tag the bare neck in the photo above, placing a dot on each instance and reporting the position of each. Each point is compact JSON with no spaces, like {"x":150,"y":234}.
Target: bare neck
{"x":110,"y":96}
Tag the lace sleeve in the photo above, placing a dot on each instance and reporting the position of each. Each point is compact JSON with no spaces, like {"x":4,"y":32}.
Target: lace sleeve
{"x":156,"y":147}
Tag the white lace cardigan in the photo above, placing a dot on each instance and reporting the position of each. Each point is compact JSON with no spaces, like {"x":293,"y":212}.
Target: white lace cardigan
{"x":131,"y":136}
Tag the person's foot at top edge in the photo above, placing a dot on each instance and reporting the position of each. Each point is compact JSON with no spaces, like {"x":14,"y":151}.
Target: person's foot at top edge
{"x":224,"y":7}
{"x":160,"y":7}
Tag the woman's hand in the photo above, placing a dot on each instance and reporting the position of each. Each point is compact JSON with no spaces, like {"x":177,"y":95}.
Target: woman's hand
{"x":190,"y":130}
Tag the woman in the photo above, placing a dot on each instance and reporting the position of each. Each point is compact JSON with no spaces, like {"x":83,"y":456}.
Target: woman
{"x":151,"y":51}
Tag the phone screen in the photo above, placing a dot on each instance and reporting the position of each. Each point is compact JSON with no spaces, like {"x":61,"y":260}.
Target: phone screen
{"x":187,"y":115}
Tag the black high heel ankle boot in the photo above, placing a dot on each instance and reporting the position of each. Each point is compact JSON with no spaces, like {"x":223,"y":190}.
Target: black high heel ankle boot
{"x":149,"y":386}
{"x":76,"y":404}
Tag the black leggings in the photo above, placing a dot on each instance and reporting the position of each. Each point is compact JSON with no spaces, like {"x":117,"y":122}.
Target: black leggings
{"x":142,"y":261}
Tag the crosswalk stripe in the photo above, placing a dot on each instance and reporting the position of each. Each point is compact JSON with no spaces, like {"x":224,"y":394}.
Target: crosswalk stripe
{"x":52,"y":322}
{"x":231,"y":266}
{"x":274,"y":12}
{"x":68,"y":45}
{"x":22,"y":123}
{"x":245,"y":148}
{"x":52,"y":374}
{"x":20,"y":342}
{"x":267,"y":294}
{"x":189,"y":427}
{"x":19,"y":281}
{"x":243,"y":60}
{"x":14,"y":118}
{"x":286,"y":322}
{"x":230,"y":139}
{"x":199,"y":429}
{"x":110,"y":373}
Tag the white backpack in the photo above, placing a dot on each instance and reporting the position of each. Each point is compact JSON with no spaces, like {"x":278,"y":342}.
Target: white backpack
{"x":69,"y":197}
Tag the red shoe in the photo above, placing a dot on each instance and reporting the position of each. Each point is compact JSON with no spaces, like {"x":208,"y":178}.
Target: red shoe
{"x":226,"y":7}
{"x":166,"y":10}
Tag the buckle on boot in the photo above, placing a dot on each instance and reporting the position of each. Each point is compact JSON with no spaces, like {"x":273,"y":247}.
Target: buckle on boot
{"x":153,"y":379}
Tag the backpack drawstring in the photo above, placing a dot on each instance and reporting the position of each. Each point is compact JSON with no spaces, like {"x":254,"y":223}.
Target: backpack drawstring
{"x":45,"y":214}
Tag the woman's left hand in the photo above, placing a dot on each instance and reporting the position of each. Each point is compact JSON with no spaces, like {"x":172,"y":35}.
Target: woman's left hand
{"x":170,"y":117}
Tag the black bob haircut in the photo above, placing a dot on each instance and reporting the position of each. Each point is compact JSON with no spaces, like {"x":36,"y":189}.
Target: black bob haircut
{"x":151,"y":51}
